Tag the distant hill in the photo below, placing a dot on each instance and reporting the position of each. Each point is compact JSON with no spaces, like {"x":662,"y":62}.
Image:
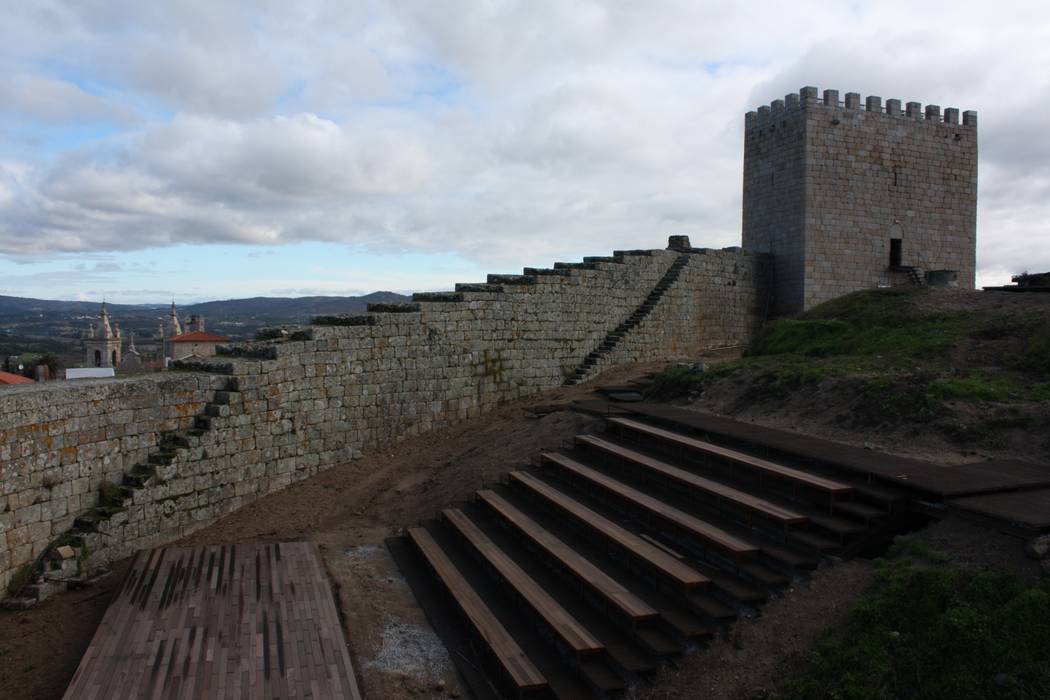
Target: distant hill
{"x":41,"y":325}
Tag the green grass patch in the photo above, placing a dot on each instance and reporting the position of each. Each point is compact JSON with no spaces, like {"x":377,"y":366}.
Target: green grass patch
{"x":1036,"y":355}
{"x":824,"y":338}
{"x":973,"y":388}
{"x":1040,"y":392}
{"x":931,"y":631}
{"x":679,"y":380}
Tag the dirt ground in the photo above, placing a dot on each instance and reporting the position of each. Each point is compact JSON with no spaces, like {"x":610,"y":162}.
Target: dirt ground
{"x":747,"y":662}
{"x":348,"y":511}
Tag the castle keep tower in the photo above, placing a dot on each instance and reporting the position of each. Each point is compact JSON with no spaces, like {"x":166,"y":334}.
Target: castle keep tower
{"x":850,"y":195}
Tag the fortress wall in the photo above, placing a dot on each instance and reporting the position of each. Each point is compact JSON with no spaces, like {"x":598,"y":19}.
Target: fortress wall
{"x":60,"y":441}
{"x":318,"y":402}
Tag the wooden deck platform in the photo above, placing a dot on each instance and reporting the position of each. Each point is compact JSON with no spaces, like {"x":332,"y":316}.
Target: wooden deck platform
{"x":238,"y":621}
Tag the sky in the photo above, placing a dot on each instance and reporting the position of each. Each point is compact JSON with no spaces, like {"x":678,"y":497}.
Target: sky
{"x":209,"y":150}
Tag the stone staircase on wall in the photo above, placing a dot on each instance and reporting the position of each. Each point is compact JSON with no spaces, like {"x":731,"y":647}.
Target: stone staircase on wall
{"x":588,"y":572}
{"x":613,"y":337}
{"x":64,"y":564}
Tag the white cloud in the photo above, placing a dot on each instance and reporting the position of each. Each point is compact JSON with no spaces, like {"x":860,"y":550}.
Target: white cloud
{"x":510,"y":132}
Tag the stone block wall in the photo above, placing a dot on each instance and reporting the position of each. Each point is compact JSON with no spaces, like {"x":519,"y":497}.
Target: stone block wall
{"x":60,"y":442}
{"x":270,"y":413}
{"x":856,"y":175}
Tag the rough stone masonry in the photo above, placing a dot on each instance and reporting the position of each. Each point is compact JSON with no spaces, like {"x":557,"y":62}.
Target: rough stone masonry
{"x":184,"y":448}
{"x":829,"y":187}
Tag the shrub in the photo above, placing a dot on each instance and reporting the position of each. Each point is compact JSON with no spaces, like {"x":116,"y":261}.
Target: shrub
{"x":931,"y":631}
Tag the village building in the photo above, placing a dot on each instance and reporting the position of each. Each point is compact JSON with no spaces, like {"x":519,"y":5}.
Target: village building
{"x":194,"y":342}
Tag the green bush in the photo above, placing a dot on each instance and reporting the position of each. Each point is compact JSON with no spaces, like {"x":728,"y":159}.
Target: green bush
{"x":931,"y":631}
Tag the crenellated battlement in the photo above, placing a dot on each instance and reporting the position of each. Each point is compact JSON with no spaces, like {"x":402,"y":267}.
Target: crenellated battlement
{"x":810,"y":98}
{"x":851,"y":192}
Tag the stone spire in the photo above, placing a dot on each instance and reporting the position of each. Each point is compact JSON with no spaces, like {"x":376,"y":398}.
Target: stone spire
{"x":105,"y":331}
{"x":174,"y":327}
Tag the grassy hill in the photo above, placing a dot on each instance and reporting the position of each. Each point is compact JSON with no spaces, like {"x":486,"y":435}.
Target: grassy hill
{"x":972,"y":368}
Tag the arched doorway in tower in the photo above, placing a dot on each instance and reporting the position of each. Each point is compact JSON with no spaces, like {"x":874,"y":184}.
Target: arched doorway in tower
{"x":113,"y":359}
{"x":98,"y":358}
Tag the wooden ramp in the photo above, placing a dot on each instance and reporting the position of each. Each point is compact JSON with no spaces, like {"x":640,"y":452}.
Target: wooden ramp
{"x":237,"y":621}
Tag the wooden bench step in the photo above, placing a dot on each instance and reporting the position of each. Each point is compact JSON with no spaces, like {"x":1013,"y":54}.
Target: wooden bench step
{"x":768,"y":577}
{"x":838,"y":526}
{"x":626,"y":603}
{"x":814,"y":541}
{"x":661,"y":643}
{"x":734,"y":587}
{"x":575,"y":635}
{"x":631,"y":658}
{"x":689,"y":625}
{"x":601,"y":677}
{"x":735,"y":457}
{"x":886,"y":495}
{"x":860,"y":511}
{"x":519,"y":668}
{"x":696,"y":528}
{"x":745,"y":501}
{"x":675,"y":571}
{"x":712,"y":607}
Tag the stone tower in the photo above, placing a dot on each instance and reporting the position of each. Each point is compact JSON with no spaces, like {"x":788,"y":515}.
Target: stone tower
{"x":102,"y":346}
{"x":173,"y":328}
{"x":853,"y":195}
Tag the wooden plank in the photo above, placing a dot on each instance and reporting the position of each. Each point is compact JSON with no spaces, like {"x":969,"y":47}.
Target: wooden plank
{"x":818,"y":483}
{"x":700,"y":529}
{"x":575,"y":635}
{"x":218,"y":622}
{"x":739,"y":498}
{"x":515,"y":662}
{"x":655,"y":558}
{"x":627,"y":603}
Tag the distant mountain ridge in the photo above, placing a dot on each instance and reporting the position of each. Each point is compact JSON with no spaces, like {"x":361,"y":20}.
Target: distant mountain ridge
{"x":26,"y":323}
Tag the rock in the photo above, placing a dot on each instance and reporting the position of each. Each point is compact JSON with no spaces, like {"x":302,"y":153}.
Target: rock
{"x":1038,"y":547}
{"x":698,"y":367}
{"x":65,"y":552}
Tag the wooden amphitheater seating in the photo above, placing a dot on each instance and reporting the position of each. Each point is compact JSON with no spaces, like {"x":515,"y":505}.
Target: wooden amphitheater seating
{"x":516,"y":664}
{"x":654,"y":467}
{"x":655,"y":558}
{"x":796,"y":477}
{"x":711,"y":535}
{"x":564,"y":625}
{"x":621,"y":600}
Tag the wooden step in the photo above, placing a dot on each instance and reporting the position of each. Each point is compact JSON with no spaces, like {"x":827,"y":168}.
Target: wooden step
{"x":840,"y":527}
{"x":561,"y":622}
{"x":708,"y":450}
{"x":665,"y":565}
{"x":771,"y":578}
{"x":712,"y":607}
{"x":696,"y":528}
{"x":861,"y":511}
{"x":517,"y":666}
{"x":727,"y":494}
{"x":611,"y":591}
{"x":661,"y":643}
{"x":734,"y":587}
{"x":814,"y":541}
{"x":601,"y":677}
{"x":622,"y":649}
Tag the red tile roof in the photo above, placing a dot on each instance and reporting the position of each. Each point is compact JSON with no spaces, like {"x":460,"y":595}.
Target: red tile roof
{"x":198,"y":337}
{"x":8,"y":378}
